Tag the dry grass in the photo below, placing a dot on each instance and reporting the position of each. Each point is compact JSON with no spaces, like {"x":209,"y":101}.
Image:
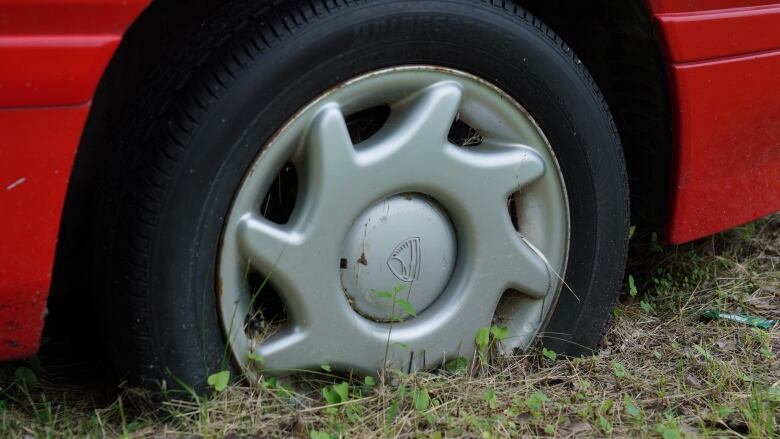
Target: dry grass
{"x":662,"y":373}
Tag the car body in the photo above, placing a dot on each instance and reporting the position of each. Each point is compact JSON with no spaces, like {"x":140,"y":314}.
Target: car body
{"x":722,"y":60}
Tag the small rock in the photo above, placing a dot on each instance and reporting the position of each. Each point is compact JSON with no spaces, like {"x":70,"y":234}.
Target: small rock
{"x":691,"y":380}
{"x":726,"y":345}
{"x":689,"y":431}
{"x":580,"y":427}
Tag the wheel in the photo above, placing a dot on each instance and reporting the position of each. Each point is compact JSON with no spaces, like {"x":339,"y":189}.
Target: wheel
{"x":366,"y":185}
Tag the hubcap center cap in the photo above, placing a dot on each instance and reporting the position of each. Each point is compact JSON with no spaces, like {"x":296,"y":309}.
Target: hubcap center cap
{"x":400,"y":249}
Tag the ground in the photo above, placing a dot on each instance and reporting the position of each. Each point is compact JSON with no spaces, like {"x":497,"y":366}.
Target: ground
{"x":663,"y":372}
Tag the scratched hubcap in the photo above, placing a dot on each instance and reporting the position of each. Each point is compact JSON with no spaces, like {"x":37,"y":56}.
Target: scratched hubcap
{"x":425,"y":204}
{"x":398,"y":257}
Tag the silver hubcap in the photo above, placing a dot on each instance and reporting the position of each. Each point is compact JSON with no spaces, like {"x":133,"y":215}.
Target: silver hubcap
{"x":400,"y":246}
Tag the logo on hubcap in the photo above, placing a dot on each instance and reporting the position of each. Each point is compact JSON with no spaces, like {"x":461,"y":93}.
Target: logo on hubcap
{"x":404,"y":261}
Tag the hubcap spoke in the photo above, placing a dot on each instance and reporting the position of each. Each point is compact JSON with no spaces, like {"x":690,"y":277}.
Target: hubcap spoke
{"x":424,"y":119}
{"x":335,"y":186}
{"x":329,"y":153}
{"x":497,"y":168}
{"x":414,"y":135}
{"x":501,"y":252}
{"x":520,"y":265}
{"x":294,"y":264}
{"x":267,"y":246}
{"x":483,"y":178}
{"x":291,"y":350}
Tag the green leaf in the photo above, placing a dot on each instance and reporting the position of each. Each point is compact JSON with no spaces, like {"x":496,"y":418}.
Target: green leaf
{"x":646,"y":307}
{"x":499,"y":332}
{"x":704,"y":353}
{"x":618,"y":369}
{"x":342,"y":389}
{"x":352,"y":414}
{"x":219,"y":380}
{"x":483,"y":338}
{"x":630,"y":407}
{"x":535,"y":402}
{"x":631,"y":231}
{"x":456,"y":365}
{"x":369,"y":381}
{"x":257,"y":358}
{"x":133,"y":426}
{"x":668,"y":432}
{"x":407,"y":307}
{"x":400,"y":345}
{"x":392,"y":412}
{"x":548,"y":353}
{"x":337,"y":393}
{"x":604,"y":423}
{"x":384,"y":295}
{"x":549,"y":429}
{"x":606,"y":406}
{"x":314,"y":434}
{"x":490,"y":397}
{"x":330,"y":396}
{"x":326,"y":367}
{"x":421,"y":399}
{"x":285,"y":391}
{"x":632,"y":286}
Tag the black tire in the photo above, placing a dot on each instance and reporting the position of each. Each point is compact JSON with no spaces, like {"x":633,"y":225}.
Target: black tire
{"x":247,"y":71}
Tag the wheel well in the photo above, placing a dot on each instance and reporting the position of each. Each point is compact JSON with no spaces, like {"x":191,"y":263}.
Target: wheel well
{"x":164,"y":24}
{"x":615,"y":40}
{"x":618,"y":44}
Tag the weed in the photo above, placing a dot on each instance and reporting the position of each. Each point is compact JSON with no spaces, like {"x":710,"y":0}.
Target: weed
{"x":219,"y":380}
{"x":549,"y":354}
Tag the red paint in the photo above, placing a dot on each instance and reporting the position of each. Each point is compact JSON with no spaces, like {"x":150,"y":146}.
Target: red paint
{"x":702,"y":36}
{"x":68,"y":17}
{"x":53,"y":52}
{"x":727,"y":113}
{"x":670,"y":6}
{"x":49,"y":71}
{"x":52,"y":55}
{"x":35,"y":161}
{"x":728,"y":165}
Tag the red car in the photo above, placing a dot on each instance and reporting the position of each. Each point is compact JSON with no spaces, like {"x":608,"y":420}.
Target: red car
{"x":269,"y":186}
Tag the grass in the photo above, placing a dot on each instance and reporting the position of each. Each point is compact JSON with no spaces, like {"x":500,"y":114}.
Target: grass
{"x":663,"y":372}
